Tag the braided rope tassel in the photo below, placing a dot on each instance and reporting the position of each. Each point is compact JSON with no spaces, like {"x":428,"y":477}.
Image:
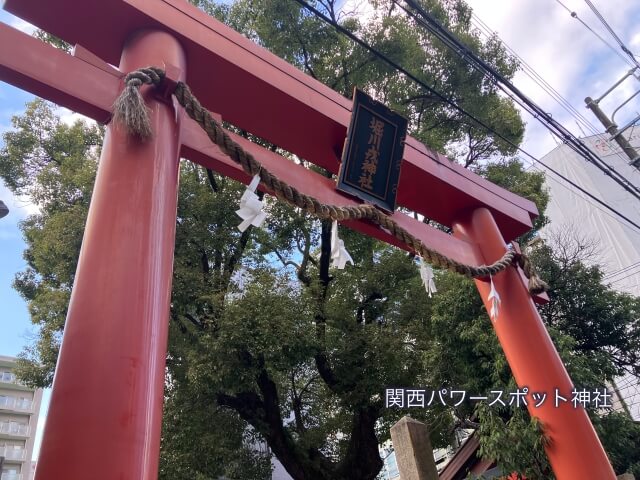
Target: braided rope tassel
{"x":131,"y":111}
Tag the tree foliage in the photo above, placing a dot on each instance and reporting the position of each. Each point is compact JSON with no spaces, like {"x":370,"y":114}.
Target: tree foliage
{"x":54,"y":165}
{"x":268,"y":344}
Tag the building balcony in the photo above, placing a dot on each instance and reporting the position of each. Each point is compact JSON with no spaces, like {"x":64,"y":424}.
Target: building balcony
{"x":7,"y":377}
{"x":12,"y":403}
{"x":13,"y":454}
{"x":9,"y":380}
{"x":14,"y":429}
{"x":11,"y":476}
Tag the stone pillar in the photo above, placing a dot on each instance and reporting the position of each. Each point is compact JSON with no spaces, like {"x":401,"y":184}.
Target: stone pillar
{"x":626,"y":476}
{"x":414,"y":454}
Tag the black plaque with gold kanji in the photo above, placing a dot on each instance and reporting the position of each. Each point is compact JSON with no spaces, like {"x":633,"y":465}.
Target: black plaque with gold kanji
{"x":372,"y":154}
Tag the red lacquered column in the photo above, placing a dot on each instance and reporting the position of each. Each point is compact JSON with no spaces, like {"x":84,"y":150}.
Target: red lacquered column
{"x":106,"y":406}
{"x":575,"y":451}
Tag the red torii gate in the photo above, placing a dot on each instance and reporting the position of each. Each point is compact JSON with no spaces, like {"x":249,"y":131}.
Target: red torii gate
{"x":106,"y":406}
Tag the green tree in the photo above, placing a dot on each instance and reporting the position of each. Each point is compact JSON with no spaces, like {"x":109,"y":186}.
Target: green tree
{"x":621,"y":436}
{"x":596,"y":332}
{"x":54,"y":165}
{"x":267,"y":342}
{"x":602,"y":322}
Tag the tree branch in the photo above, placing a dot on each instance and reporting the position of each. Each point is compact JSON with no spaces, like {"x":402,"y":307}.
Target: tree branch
{"x":212,"y":180}
{"x":367,"y":301}
{"x":321,"y":358}
{"x":306,"y":257}
{"x":296,"y":405}
{"x":195,"y":321}
{"x":234,"y":258}
{"x":264,"y":415}
{"x":346,"y":73}
{"x":285,"y":262}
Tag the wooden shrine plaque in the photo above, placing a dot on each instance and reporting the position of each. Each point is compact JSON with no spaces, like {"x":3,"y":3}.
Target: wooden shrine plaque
{"x":372,"y":155}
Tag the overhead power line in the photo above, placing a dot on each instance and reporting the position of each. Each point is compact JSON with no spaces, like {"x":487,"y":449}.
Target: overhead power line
{"x":534,"y":75}
{"x":586,"y":199}
{"x":432,"y":25}
{"x":623,"y":278}
{"x":451,"y":103}
{"x":615,"y":50}
{"x":622,"y":270}
{"x":581,"y":120}
{"x":613,"y":34}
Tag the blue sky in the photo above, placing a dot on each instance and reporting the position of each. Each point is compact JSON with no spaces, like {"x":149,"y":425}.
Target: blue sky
{"x":560,"y":49}
{"x":15,"y":325}
{"x":15,"y":320}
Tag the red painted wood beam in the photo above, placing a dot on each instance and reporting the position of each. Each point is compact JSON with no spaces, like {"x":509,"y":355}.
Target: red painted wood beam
{"x":263,"y":94}
{"x":37,"y":67}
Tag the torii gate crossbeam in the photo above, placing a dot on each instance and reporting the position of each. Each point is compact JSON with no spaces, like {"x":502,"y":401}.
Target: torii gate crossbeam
{"x":107,"y":396}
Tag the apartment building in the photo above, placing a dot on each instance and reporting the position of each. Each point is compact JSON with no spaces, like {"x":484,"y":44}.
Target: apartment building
{"x":19,"y":408}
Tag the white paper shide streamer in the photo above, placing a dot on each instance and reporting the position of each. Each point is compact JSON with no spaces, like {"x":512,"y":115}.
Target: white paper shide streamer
{"x":339,"y":254}
{"x":251,"y":207}
{"x":495,"y":301}
{"x":428,"y":279}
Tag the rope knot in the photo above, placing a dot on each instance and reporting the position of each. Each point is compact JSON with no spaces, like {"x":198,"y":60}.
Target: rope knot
{"x":133,"y":82}
{"x":536,"y":284}
{"x":129,"y":109}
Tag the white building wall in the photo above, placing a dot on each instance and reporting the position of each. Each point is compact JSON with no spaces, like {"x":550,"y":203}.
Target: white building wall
{"x":19,"y":410}
{"x":619,"y":242}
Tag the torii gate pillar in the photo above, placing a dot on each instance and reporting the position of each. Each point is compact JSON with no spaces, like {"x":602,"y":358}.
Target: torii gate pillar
{"x":575,"y":450}
{"x":106,"y":407}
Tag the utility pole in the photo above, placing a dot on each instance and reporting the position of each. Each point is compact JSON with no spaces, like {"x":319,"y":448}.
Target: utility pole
{"x":610,"y":127}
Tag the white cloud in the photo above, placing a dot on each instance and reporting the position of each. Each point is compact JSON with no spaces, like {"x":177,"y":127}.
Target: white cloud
{"x":564,"y":53}
{"x":69,"y":117}
{"x":19,"y":207}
